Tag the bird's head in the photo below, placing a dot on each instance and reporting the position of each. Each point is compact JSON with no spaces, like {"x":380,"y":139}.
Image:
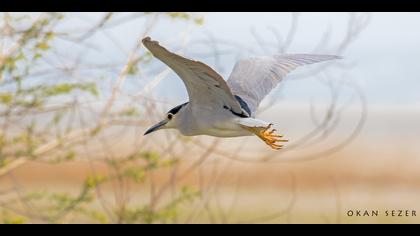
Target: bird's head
{"x":170,"y":120}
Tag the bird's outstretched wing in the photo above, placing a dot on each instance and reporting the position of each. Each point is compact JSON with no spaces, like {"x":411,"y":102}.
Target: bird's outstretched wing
{"x":253,"y":78}
{"x":206,"y":88}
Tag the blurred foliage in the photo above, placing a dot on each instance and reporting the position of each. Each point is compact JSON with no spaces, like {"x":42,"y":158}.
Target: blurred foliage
{"x":61,"y":207}
{"x":28,"y":42}
{"x":49,"y":114}
{"x":199,"y":20}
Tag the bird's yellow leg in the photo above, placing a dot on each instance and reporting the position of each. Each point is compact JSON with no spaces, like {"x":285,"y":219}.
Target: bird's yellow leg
{"x":268,"y":136}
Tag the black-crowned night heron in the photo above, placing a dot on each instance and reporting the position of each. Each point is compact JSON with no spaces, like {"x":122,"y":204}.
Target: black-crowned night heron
{"x":227,"y":108}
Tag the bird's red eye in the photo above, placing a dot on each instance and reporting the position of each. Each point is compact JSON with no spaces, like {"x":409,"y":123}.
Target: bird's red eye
{"x":170,"y":116}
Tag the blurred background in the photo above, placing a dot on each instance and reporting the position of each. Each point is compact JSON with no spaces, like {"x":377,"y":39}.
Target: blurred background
{"x":78,"y":90}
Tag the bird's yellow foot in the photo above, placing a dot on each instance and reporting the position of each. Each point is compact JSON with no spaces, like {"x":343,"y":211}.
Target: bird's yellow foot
{"x":271,"y":138}
{"x":268,"y":135}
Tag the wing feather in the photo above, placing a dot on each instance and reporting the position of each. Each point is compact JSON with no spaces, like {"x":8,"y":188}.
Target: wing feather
{"x":253,"y":78}
{"x":205,"y":87}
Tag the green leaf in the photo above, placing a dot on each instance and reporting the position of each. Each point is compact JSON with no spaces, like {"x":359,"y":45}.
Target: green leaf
{"x":199,"y":20}
{"x":57,"y":117}
{"x":20,"y":56}
{"x":42,"y":46}
{"x":4,"y":162}
{"x":152,"y":159}
{"x":91,"y":88}
{"x":169,"y":163}
{"x":133,"y":67}
{"x":95,"y":131}
{"x":6,"y":98}
{"x":130,"y":112}
{"x":94,"y":180}
{"x":58,"y":89}
{"x":98,"y":216}
{"x":37,"y":56}
{"x":65,"y":88}
{"x":70,"y":155}
{"x":181,"y":15}
{"x":50,"y":35}
{"x":10,"y":64}
{"x":14,"y":220}
{"x":136,"y":173}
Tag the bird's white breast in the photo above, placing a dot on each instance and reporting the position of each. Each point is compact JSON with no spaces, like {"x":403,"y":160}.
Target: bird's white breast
{"x":220,"y":123}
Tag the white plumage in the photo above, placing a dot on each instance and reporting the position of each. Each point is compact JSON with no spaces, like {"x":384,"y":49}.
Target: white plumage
{"x":227,"y":108}
{"x":253,"y":78}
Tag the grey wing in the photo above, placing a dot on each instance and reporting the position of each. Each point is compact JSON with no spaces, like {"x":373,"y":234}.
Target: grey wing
{"x":206,"y":88}
{"x":252,"y":79}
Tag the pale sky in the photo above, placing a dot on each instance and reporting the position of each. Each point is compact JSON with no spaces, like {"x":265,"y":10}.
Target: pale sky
{"x":384,"y":59}
{"x":385,"y":55}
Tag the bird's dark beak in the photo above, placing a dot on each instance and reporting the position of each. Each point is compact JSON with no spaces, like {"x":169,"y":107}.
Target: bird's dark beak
{"x":156,"y":127}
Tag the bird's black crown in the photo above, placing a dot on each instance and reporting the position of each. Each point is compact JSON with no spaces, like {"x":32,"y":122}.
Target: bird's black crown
{"x":176,"y":109}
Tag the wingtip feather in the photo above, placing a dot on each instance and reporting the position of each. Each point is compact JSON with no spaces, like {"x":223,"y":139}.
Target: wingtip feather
{"x":148,"y":40}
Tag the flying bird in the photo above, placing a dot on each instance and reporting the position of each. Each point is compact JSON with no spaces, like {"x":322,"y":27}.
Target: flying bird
{"x":227,"y":108}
